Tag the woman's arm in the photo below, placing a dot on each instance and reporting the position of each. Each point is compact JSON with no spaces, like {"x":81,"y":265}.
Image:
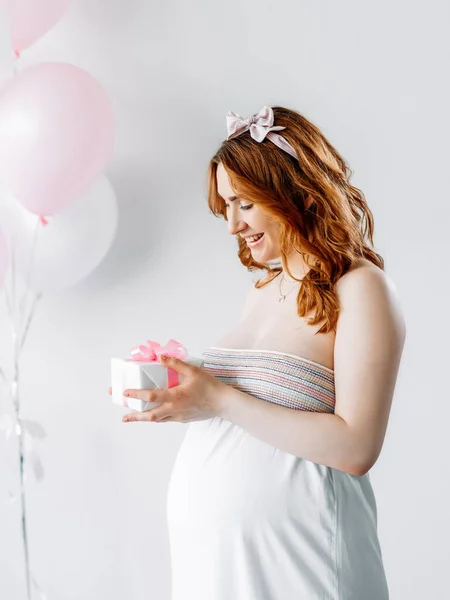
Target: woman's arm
{"x":369,"y":341}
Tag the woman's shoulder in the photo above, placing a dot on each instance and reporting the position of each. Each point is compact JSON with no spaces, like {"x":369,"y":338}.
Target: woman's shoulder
{"x":365,"y":272}
{"x":370,"y":286}
{"x":362,"y":265}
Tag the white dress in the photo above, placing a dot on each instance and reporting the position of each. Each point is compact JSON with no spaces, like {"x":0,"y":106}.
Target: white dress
{"x":247,"y":521}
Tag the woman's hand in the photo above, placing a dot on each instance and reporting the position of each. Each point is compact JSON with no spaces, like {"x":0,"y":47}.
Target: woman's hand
{"x":200,"y":396}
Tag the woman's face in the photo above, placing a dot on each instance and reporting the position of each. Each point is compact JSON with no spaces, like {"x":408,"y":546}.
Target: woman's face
{"x":247,"y":220}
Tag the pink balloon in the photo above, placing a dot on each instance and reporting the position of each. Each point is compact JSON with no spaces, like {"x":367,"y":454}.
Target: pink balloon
{"x":4,"y":257}
{"x":31,"y":19}
{"x":56,"y":135}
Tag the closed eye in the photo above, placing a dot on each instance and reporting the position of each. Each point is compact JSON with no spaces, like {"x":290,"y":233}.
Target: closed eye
{"x":246,"y":207}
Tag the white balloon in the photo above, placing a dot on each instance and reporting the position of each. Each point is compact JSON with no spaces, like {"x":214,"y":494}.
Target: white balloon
{"x":71,"y":245}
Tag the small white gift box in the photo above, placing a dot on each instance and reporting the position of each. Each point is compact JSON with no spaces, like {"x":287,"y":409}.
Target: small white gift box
{"x":144,"y":372}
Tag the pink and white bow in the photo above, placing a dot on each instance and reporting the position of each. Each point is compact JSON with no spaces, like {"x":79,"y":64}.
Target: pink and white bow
{"x":150,"y":351}
{"x":260,"y":126}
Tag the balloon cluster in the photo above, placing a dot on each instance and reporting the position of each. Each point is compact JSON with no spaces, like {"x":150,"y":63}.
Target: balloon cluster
{"x":58,"y":211}
{"x":56,"y":136}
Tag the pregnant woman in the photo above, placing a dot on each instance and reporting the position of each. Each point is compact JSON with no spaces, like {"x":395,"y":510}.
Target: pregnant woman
{"x":270,"y":496}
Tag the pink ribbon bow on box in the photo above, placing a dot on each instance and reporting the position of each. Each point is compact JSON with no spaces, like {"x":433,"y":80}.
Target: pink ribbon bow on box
{"x":151,"y":351}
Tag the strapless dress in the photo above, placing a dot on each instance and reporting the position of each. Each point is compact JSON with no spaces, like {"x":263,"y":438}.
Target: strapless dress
{"x":247,"y":521}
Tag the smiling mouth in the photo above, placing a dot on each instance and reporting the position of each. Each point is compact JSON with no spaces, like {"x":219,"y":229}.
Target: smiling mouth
{"x":256,"y":241}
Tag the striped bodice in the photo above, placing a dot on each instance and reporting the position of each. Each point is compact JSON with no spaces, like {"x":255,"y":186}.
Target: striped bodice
{"x":285,"y":379}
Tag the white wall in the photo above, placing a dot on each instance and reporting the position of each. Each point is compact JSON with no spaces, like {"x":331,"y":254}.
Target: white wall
{"x":373,"y":77}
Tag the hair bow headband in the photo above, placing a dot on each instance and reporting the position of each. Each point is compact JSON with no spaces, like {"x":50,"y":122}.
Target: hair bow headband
{"x":260,"y":126}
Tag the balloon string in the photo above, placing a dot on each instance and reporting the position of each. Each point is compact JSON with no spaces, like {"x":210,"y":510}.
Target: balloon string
{"x":16,"y":310}
{"x":14,"y":390}
{"x":19,"y":335}
{"x":30,"y":317}
{"x":27,"y":287}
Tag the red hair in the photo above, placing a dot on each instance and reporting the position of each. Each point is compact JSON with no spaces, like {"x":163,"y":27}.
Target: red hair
{"x":332,"y":235}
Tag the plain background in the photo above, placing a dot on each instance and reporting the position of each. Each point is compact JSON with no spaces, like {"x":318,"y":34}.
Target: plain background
{"x":374,"y":78}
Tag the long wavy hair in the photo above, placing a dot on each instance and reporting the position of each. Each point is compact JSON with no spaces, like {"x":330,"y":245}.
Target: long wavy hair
{"x":332,"y":234}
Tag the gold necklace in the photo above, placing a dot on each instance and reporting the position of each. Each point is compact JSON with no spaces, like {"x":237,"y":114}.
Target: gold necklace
{"x":282,"y":297}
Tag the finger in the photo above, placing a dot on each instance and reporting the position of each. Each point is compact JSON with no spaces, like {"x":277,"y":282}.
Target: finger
{"x":146,"y":395}
{"x":177,"y":364}
{"x":149,"y":415}
{"x":110,"y":391}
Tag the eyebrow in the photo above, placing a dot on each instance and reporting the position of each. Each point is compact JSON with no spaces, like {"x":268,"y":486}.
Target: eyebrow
{"x":233,"y":198}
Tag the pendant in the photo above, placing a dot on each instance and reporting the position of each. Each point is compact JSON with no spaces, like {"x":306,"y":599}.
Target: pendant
{"x":282,"y":298}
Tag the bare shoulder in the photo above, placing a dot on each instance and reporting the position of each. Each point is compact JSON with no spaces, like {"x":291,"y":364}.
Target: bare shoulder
{"x":369,"y":284}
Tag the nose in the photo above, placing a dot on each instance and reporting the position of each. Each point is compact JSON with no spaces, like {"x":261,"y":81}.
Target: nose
{"x":235,"y":225}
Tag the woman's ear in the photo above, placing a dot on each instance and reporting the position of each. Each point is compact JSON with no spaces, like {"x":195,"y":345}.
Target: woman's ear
{"x":308,"y":201}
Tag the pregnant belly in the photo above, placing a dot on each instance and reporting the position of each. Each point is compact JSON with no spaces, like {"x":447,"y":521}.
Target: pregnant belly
{"x":224,"y":477}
